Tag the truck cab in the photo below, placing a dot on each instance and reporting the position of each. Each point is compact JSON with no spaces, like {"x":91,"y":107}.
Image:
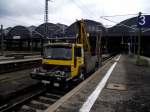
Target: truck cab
{"x":61,"y":62}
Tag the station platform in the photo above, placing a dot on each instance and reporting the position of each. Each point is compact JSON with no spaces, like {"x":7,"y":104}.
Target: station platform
{"x":4,"y":59}
{"x":118,"y":86}
{"x":11,"y":65}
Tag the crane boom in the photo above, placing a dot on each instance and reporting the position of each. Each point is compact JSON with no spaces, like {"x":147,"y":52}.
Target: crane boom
{"x":83,"y":37}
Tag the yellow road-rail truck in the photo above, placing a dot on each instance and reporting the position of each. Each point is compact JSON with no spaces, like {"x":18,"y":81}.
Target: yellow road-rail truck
{"x":63,"y":62}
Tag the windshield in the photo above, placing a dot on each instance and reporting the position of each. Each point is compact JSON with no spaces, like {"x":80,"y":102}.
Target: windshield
{"x":57,"y":52}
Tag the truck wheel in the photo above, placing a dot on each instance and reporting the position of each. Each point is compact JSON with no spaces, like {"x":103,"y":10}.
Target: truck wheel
{"x":81,"y":75}
{"x":64,"y":86}
{"x":96,"y":66}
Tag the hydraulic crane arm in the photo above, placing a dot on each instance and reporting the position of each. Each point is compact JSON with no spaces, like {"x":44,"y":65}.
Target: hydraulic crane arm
{"x":83,"y":37}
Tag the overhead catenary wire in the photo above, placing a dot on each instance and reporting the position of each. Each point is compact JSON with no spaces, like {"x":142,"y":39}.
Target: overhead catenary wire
{"x":120,"y":15}
{"x":83,"y":8}
{"x":91,"y":12}
{"x":121,"y":24}
{"x":103,"y":17}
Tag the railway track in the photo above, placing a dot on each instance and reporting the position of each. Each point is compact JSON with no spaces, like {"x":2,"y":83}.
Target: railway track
{"x":39,"y":100}
{"x":43,"y":101}
{"x":35,"y":102}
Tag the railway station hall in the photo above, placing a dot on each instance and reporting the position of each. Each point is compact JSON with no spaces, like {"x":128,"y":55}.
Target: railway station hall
{"x":74,"y":56}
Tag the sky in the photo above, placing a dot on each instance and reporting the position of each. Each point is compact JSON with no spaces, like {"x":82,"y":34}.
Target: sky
{"x":31,"y":12}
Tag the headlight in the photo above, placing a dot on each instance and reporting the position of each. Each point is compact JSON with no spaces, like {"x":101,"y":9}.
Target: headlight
{"x":67,"y":69}
{"x":34,"y":70}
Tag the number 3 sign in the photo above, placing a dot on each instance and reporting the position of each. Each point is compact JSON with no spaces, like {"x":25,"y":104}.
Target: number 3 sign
{"x":143,"y":21}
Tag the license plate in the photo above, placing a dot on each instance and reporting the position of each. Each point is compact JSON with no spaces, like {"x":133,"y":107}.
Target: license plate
{"x":56,"y":84}
{"x":45,"y":82}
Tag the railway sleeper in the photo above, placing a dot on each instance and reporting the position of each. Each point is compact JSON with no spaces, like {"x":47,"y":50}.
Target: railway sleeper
{"x":39,"y":103}
{"x":37,"y":106}
{"x":27,"y":108}
{"x":44,"y":100}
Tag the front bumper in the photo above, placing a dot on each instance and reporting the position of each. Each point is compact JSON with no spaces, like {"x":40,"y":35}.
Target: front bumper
{"x":52,"y":77}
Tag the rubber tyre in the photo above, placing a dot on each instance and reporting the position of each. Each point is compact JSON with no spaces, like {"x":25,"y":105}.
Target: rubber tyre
{"x":81,"y":75}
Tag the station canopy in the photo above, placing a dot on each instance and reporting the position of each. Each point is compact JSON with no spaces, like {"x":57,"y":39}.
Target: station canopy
{"x":48,"y":30}
{"x":126,"y":28}
{"x":92,"y":27}
{"x":18,"y":32}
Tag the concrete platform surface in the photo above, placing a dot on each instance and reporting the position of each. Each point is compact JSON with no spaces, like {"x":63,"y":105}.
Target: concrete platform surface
{"x":4,"y":59}
{"x":126,"y":90}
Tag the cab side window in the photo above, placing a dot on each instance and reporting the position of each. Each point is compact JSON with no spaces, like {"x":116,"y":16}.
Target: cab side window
{"x":78,"y":51}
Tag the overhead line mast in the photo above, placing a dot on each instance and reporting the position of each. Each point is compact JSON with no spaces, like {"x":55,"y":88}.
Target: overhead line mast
{"x":45,"y":26}
{"x":46,"y":11}
{"x":46,"y":18}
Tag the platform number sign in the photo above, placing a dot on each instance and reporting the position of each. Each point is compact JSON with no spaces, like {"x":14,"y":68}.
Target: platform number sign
{"x":143,"y":21}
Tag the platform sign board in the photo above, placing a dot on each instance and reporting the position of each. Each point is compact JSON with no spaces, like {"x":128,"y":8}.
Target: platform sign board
{"x":143,"y":21}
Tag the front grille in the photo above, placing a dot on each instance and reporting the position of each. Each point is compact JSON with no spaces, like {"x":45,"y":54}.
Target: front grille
{"x":53,"y":68}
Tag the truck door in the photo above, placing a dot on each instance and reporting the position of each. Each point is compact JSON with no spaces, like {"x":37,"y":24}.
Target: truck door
{"x":79,"y":58}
